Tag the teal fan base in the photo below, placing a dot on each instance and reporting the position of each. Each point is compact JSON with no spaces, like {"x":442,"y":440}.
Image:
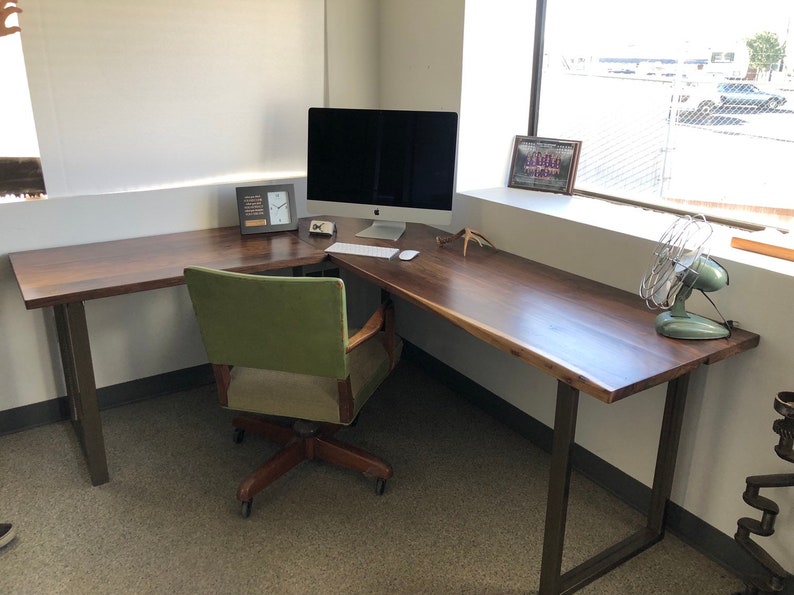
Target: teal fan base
{"x":680,"y":324}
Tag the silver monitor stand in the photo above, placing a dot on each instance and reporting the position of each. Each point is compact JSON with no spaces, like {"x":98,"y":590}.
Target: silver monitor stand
{"x":383,"y":230}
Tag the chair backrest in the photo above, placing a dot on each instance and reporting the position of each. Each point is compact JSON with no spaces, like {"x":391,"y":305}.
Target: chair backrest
{"x":292,"y":324}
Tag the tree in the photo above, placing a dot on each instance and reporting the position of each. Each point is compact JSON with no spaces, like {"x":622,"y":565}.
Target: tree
{"x":766,"y":51}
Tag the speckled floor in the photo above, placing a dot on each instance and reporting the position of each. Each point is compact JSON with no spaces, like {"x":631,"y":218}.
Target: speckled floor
{"x":463,"y":514}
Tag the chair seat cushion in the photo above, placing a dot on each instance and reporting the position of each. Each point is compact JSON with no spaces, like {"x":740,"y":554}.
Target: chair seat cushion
{"x":308,"y":397}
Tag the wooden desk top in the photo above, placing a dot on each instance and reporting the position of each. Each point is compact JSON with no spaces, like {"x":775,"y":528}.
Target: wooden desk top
{"x":596,"y":338}
{"x":55,"y":276}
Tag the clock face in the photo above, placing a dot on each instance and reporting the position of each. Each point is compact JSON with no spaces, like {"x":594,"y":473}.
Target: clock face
{"x":278,"y":203}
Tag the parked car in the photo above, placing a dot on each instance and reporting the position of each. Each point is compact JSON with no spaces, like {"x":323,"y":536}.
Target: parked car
{"x":748,"y":95}
{"x":696,"y":102}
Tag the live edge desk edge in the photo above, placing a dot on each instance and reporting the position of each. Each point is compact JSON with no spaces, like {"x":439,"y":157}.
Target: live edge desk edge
{"x":588,"y":336}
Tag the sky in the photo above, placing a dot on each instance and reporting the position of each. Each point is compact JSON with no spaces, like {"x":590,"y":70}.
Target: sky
{"x":608,"y":26}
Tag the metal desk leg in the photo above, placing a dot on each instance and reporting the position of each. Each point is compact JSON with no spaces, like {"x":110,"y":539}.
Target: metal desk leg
{"x":564,"y":426}
{"x":559,"y":486}
{"x":669,"y":438}
{"x":78,"y":371}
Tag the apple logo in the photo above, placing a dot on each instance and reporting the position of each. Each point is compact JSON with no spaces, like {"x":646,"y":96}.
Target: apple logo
{"x":377,"y":211}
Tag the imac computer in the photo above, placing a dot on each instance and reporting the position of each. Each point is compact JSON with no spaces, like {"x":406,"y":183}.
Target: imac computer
{"x":391,"y":166}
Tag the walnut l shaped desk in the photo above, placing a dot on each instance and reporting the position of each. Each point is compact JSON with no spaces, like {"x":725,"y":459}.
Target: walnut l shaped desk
{"x":604,"y":345}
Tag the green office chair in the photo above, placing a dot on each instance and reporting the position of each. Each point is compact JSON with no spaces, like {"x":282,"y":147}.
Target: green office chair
{"x":279,"y":346}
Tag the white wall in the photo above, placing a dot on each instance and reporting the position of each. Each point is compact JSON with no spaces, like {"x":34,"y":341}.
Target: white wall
{"x":420,"y":56}
{"x":133,"y":336}
{"x":727,"y":432}
{"x":495,"y":89}
{"x":352,"y":53}
{"x":378,"y":58}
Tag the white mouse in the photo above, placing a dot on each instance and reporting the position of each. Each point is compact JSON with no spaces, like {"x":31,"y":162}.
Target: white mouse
{"x":408,"y":254}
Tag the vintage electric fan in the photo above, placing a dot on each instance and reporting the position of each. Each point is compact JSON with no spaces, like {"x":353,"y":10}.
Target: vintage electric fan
{"x":680,"y":264}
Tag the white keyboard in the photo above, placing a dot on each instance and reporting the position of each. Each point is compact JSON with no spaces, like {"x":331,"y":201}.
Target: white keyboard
{"x":363,"y":250}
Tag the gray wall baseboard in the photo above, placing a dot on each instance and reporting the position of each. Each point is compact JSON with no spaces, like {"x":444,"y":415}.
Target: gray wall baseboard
{"x":55,"y":410}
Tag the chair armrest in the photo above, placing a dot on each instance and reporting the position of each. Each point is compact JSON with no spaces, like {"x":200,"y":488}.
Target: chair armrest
{"x":382,"y":319}
{"x":371,"y":328}
{"x":222,"y":381}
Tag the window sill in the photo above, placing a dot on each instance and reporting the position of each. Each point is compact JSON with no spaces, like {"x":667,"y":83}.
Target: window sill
{"x":7,"y":198}
{"x":626,"y":220}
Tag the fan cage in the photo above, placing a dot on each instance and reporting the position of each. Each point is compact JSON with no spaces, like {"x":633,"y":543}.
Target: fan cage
{"x":676,"y":261}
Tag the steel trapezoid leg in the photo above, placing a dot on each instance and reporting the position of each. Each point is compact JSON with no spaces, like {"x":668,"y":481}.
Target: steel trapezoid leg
{"x":78,"y":372}
{"x":559,"y":487}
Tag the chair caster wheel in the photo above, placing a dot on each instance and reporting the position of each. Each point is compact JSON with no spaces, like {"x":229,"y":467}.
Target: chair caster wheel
{"x":239,"y":434}
{"x":380,"y":485}
{"x":245,"y":508}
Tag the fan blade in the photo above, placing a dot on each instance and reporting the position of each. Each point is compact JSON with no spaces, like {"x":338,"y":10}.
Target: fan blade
{"x":661,"y":296}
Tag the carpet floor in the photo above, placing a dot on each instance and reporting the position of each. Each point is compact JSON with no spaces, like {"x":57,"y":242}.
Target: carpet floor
{"x":463,"y":513}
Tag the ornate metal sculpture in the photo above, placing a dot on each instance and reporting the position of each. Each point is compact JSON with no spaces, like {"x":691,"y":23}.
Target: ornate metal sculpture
{"x":776,"y":577}
{"x":468,"y":234}
{"x":9,"y":7}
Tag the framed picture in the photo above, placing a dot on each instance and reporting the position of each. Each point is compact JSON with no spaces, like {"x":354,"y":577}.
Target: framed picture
{"x":547,"y":164}
{"x":263,"y":209}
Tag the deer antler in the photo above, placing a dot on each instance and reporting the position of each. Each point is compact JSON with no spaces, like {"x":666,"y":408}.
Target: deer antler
{"x":469,"y":234}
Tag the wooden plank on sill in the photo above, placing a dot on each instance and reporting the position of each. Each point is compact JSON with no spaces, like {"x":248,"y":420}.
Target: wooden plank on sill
{"x":774,"y":250}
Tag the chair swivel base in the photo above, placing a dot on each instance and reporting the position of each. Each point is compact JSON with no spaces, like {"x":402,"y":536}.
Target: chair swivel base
{"x":304,"y":441}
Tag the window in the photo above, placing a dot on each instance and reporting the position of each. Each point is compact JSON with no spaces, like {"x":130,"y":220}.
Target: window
{"x":687,"y":106}
{"x":722,"y":57}
{"x":20,"y":166}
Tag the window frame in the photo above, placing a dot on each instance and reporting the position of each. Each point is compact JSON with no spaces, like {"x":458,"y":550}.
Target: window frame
{"x":532,"y":130}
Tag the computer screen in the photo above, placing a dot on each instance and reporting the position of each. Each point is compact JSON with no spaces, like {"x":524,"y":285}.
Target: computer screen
{"x":391,"y":166}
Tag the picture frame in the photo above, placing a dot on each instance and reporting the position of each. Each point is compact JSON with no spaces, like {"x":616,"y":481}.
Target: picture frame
{"x":546,"y":164}
{"x":267,"y":209}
